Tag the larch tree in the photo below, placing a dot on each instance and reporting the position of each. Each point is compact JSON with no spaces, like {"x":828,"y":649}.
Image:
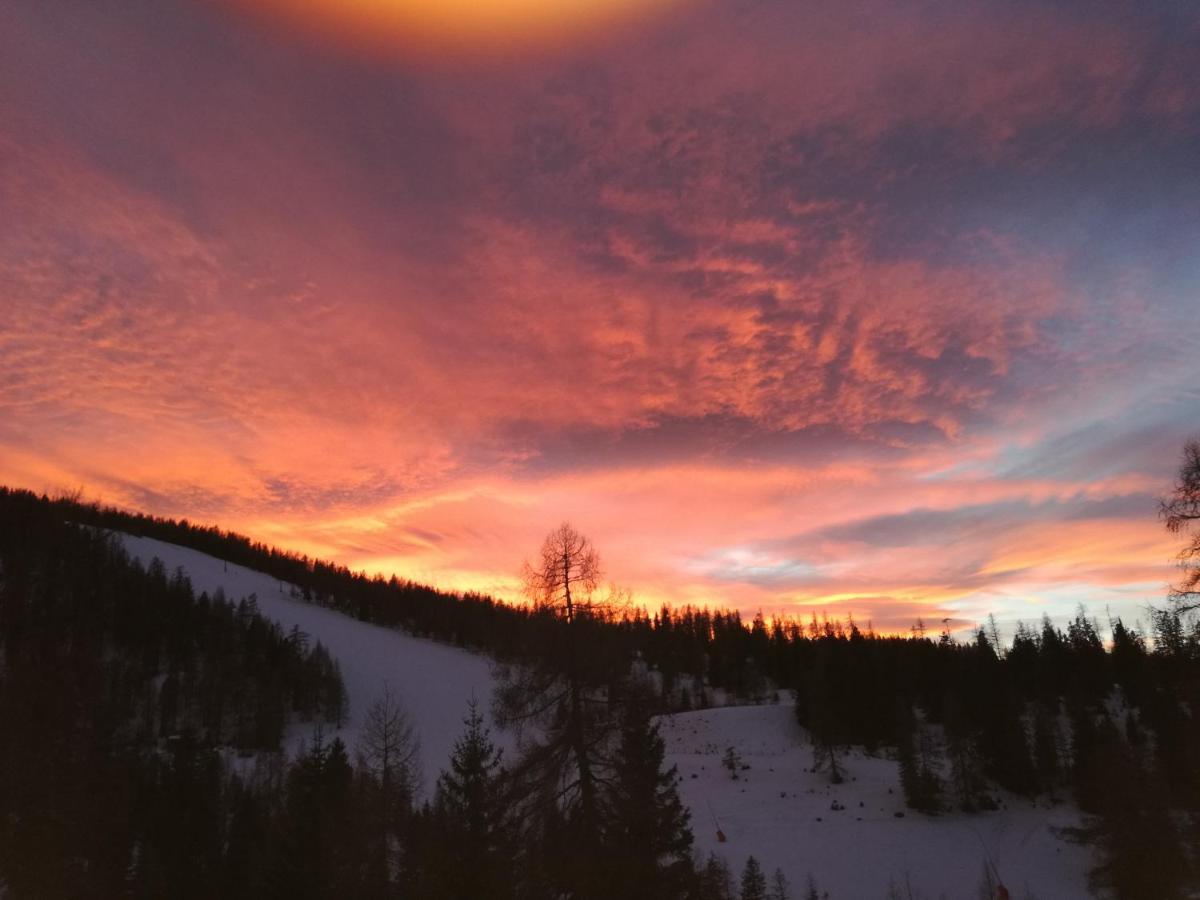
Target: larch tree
{"x":566,"y":574}
{"x":389,"y":752}
{"x":390,"y":747}
{"x":564,"y":698}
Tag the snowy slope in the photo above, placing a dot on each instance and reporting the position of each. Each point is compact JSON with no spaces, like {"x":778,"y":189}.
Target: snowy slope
{"x":432,"y":680}
{"x":780,"y":812}
{"x":777,"y":810}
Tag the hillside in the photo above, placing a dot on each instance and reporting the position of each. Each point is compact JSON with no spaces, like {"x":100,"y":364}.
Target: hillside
{"x":781,"y":812}
{"x":434,"y":682}
{"x":777,"y":810}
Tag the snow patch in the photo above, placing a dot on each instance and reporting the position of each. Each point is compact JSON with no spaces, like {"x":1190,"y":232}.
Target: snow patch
{"x":849,"y":835}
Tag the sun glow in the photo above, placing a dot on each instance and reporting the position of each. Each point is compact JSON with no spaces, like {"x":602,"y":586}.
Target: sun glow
{"x":438,"y":26}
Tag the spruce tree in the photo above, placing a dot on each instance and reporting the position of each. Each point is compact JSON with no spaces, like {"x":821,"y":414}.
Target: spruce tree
{"x":320,"y":847}
{"x":647,"y":836}
{"x":754,"y":883}
{"x":918,"y":778}
{"x":780,"y":889}
{"x":715,"y":881}
{"x":470,"y":813}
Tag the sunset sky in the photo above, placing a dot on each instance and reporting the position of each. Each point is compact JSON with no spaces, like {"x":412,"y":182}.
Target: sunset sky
{"x":883,"y":307}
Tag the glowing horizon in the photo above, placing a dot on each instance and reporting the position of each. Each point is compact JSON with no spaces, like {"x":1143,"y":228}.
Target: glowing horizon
{"x":888,"y":311}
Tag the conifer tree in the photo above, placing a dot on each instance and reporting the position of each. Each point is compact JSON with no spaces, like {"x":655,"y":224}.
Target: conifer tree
{"x":754,"y":883}
{"x":471,"y":814}
{"x":319,"y":844}
{"x":715,"y":880}
{"x":648,"y":840}
{"x":918,"y":778}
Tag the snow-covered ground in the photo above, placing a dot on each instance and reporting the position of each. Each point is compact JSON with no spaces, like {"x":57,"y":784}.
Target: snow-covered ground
{"x":433,"y":681}
{"x":780,"y":812}
{"x":776,"y":810}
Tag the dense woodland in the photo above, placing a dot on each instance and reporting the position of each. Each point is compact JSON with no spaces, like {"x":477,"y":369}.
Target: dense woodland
{"x":128,"y":698}
{"x":140,"y":757}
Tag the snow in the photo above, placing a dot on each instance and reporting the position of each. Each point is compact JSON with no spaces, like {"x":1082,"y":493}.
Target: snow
{"x":777,"y":810}
{"x":780,"y":811}
{"x":433,"y":681}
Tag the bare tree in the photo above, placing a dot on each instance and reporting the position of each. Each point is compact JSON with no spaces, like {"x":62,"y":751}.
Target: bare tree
{"x":566,"y":574}
{"x":389,"y":751}
{"x":390,"y":748}
{"x":1180,"y":511}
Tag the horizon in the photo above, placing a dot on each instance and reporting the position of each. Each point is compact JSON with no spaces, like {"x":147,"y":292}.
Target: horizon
{"x":885,"y":310}
{"x":808,"y":621}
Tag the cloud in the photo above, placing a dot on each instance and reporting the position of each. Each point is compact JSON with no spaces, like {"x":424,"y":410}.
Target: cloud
{"x":792,"y":306}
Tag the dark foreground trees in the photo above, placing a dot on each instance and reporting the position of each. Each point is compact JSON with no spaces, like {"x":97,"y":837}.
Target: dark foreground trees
{"x":135,"y":759}
{"x":562,"y":703}
{"x":122,"y":695}
{"x":465,"y":842}
{"x":389,"y":759}
{"x":83,"y":630}
{"x":647,"y":838}
{"x":592,"y":792}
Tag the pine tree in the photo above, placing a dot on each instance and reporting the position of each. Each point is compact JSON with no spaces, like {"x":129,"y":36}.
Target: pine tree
{"x":320,"y":845}
{"x":647,"y":836}
{"x":918,"y":778}
{"x":1046,"y":742}
{"x":715,"y":881}
{"x":780,"y":889}
{"x":470,"y":813}
{"x":754,"y":884}
{"x":825,"y":711}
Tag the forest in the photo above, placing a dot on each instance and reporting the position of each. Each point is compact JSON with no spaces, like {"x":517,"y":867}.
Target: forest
{"x":144,"y":728}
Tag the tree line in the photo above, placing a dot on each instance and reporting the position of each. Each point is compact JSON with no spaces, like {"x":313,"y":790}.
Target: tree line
{"x":1112,"y":720}
{"x":141,"y":756}
{"x":122,"y":695}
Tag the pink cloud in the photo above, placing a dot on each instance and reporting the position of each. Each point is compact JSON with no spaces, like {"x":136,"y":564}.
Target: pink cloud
{"x":711,"y":291}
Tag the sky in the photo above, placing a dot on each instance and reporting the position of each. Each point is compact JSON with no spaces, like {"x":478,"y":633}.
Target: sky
{"x":884,"y":307}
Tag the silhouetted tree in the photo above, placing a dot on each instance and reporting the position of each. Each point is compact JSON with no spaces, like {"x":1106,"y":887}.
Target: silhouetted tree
{"x":715,"y":881}
{"x":1180,"y":511}
{"x":321,"y":853}
{"x":918,"y":773}
{"x":754,"y":884}
{"x":389,"y":752}
{"x":647,"y":837}
{"x":470,"y":810}
{"x":565,"y":693}
{"x":780,"y":889}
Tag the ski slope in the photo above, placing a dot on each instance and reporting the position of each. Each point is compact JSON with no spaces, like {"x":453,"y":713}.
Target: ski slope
{"x":776,"y":810}
{"x":780,"y":812}
{"x":433,"y":681}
